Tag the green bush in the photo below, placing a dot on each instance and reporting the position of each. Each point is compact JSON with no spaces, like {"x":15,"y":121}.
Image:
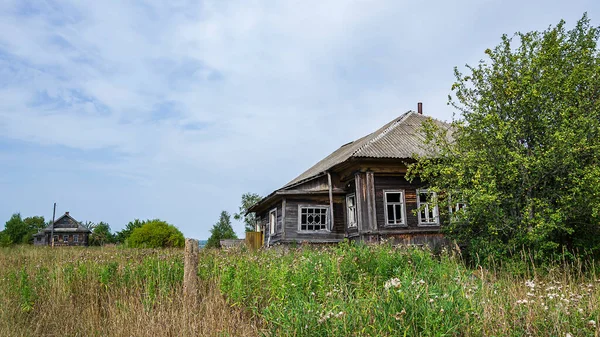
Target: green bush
{"x":156,"y":234}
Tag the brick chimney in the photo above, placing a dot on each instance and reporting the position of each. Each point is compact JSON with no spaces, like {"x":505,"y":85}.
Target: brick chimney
{"x":66,"y":213}
{"x":420,"y":108}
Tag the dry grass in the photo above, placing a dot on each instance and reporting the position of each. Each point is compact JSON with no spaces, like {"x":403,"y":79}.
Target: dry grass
{"x":345,"y":290}
{"x":74,"y":292}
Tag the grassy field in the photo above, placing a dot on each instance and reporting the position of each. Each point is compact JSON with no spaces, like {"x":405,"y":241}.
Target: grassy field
{"x":338,"y":291}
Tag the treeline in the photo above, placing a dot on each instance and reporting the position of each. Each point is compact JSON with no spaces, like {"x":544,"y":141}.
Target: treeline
{"x":151,"y":233}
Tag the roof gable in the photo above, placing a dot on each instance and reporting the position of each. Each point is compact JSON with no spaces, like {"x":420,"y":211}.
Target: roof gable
{"x":67,"y":223}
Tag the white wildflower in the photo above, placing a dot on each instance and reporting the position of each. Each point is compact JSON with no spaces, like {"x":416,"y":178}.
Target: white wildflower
{"x":592,"y":323}
{"x":530,"y":284}
{"x":395,"y":283}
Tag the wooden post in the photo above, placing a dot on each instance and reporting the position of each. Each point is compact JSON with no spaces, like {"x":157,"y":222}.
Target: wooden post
{"x":52,"y":229}
{"x":190,"y":272}
{"x":331,"y":218}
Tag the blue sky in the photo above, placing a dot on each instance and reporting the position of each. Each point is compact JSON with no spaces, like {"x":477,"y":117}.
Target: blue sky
{"x":119,"y":110}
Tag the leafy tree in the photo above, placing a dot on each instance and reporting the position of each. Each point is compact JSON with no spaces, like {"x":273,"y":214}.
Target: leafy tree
{"x":124,"y":234}
{"x":525,"y":151}
{"x":101,"y":234}
{"x":14,"y":228}
{"x":220,"y":231}
{"x":5,"y":240}
{"x":18,"y":230}
{"x":32,"y":224}
{"x":248,"y":200}
{"x":156,"y":234}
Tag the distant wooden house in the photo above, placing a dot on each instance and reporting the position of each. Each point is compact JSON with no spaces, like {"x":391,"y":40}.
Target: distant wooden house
{"x":358,"y":192}
{"x":67,"y":232}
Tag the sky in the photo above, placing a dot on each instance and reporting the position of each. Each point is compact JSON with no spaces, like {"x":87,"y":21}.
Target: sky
{"x":118,"y":110}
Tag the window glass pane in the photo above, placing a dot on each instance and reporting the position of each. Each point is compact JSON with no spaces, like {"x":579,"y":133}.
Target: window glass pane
{"x":398,"y":213}
{"x":423,"y":196}
{"x":392,"y":197}
{"x":313,"y":218}
{"x":390,"y":213}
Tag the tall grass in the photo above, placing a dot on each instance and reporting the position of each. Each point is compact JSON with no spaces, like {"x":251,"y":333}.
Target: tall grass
{"x":345,"y":290}
{"x":107,"y":292}
{"x":359,"y":290}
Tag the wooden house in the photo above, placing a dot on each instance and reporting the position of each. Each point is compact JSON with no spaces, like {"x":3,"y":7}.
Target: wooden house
{"x":67,"y":232}
{"x":358,"y":192}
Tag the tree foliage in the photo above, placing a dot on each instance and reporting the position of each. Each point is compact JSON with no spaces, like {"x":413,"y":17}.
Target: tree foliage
{"x":248,"y":200}
{"x":124,"y":234}
{"x":221,"y":230}
{"x":525,"y":151}
{"x":101,"y":234}
{"x":156,"y":234}
{"x":18,"y":230}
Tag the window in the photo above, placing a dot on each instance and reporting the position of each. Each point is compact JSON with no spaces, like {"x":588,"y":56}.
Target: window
{"x":455,"y":207}
{"x":76,"y":238}
{"x":55,"y":238}
{"x":394,"y":208}
{"x":272,"y":220}
{"x":428,"y":210}
{"x":65,"y":238}
{"x":351,"y":205}
{"x":313,"y":218}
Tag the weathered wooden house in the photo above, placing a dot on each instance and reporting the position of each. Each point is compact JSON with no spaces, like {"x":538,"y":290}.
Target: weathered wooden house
{"x":358,"y":192}
{"x":67,"y":232}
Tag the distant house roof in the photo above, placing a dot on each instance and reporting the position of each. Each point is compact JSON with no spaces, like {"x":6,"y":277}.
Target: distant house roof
{"x":66,"y":224}
{"x":398,"y":139}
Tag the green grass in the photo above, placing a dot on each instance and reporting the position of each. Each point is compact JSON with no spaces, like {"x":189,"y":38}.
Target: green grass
{"x":344,"y":290}
{"x":359,"y":290}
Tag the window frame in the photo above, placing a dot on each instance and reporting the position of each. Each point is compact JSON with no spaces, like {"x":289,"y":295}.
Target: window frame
{"x":327,"y":219}
{"x":352,"y":211}
{"x":76,"y":238}
{"x":436,"y":210}
{"x":273,"y":226}
{"x":454,"y":207}
{"x":402,"y":204}
{"x":65,"y":238}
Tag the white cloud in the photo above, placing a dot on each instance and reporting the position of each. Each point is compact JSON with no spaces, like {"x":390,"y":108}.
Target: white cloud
{"x":252,"y":92}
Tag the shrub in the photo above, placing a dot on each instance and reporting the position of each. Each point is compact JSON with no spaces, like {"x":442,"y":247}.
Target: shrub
{"x":156,"y":234}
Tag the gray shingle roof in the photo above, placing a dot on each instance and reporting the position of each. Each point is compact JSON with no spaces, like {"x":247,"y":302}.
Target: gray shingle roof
{"x":75,"y":227}
{"x":400,"y":139}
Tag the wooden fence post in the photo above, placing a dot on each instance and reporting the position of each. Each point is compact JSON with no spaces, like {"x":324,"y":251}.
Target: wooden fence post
{"x":190,"y":272}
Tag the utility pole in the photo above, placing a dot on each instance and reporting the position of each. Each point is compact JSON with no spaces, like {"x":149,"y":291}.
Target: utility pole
{"x":52,"y":229}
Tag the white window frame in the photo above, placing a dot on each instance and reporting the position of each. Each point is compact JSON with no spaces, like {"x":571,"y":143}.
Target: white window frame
{"x":66,"y":238}
{"x":352,"y":213}
{"x":454,"y":207}
{"x":327,"y":219}
{"x":436,"y":213}
{"x":272,"y":221}
{"x":402,"y":204}
{"x":76,"y":238}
